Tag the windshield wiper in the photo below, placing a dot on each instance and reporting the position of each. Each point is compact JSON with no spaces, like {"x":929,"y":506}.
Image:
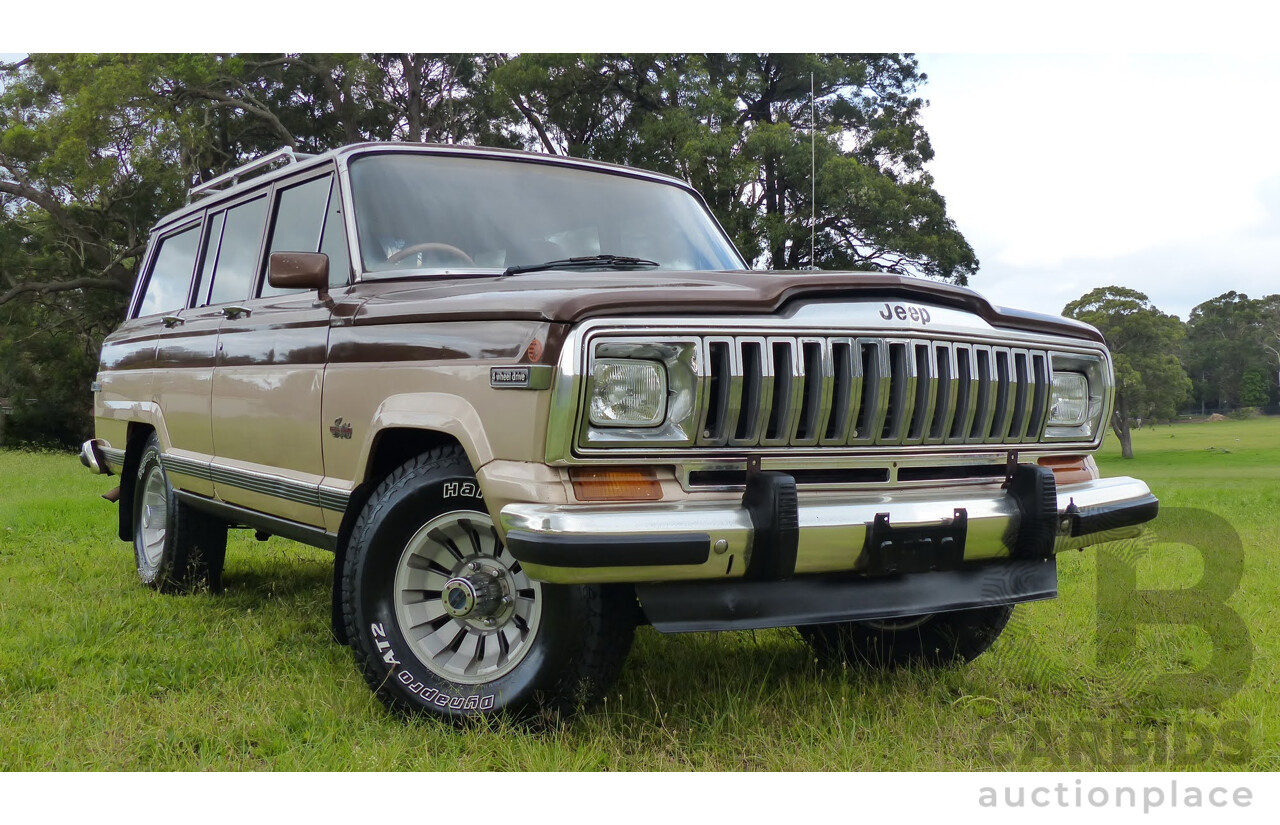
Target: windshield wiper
{"x":585,"y":261}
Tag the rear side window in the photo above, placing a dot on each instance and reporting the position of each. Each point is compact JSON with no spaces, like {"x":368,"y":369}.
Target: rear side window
{"x":170,"y":278}
{"x":299,"y":218}
{"x":238,"y":252}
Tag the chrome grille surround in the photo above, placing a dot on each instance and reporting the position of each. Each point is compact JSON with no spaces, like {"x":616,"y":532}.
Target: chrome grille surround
{"x":803,"y":386}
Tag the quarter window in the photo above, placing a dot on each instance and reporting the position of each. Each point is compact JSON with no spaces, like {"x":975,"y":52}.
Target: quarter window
{"x":171,"y":274}
{"x":238,"y":252}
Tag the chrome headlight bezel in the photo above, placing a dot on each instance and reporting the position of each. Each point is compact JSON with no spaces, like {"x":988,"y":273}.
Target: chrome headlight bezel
{"x":1096,"y":371}
{"x":678,"y":358}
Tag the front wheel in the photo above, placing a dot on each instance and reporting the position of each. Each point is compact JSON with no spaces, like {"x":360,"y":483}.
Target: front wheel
{"x":443,"y":619}
{"x":933,"y":640}
{"x":176,"y":547}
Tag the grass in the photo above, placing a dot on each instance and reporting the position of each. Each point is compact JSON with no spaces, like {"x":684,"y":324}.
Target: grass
{"x":100,"y":673}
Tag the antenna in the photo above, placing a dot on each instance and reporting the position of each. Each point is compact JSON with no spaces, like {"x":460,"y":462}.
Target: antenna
{"x":813,"y":176}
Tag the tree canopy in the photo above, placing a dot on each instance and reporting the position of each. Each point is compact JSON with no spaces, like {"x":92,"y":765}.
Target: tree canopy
{"x":1233,"y":349}
{"x":1144,"y":342}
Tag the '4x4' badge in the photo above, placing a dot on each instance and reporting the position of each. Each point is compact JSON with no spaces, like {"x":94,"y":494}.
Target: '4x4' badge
{"x":339,"y":429}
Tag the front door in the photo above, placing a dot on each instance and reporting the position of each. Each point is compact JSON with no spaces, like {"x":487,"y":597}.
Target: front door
{"x":270,"y":369}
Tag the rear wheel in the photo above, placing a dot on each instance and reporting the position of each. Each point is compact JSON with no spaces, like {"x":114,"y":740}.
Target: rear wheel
{"x":443,"y":619}
{"x":934,"y":639}
{"x":176,"y":547}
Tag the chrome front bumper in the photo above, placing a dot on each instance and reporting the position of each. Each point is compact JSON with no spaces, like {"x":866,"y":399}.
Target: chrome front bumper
{"x":91,"y":456}
{"x":680,"y":541}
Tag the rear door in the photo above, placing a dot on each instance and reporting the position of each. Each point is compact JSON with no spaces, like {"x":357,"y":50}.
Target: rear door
{"x":186,"y":347}
{"x":270,"y":365}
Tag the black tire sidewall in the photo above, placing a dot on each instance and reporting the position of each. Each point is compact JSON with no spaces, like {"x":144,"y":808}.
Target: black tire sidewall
{"x":943,"y":639}
{"x":398,"y":676}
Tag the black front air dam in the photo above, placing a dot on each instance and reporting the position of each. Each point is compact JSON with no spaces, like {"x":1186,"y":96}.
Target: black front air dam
{"x":683,"y":607}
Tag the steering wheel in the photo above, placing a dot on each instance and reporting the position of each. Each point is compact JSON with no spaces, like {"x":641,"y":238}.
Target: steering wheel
{"x":431,"y":246}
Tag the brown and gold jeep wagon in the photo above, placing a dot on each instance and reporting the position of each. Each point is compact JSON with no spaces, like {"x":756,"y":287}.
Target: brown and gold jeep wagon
{"x":531,"y":402}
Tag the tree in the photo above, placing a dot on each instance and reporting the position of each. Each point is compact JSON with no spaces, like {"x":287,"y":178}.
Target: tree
{"x":1150,"y":380}
{"x":1226,"y":341}
{"x":1254,"y":391}
{"x":1269,"y":325}
{"x":738,"y":127}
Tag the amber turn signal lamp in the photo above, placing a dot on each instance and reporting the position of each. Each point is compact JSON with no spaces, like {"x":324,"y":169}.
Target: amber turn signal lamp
{"x":1067,"y":469}
{"x":615,"y":484}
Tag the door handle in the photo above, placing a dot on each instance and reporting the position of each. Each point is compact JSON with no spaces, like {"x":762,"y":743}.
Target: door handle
{"x":236,"y":311}
{"x":171,"y":321}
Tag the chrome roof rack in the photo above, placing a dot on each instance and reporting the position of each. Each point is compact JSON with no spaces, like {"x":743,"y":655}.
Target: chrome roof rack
{"x":229,"y":179}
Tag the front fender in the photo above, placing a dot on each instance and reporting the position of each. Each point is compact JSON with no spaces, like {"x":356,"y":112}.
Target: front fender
{"x":435,"y":411}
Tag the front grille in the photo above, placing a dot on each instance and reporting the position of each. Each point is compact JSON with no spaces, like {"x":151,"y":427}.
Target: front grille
{"x":767,"y":391}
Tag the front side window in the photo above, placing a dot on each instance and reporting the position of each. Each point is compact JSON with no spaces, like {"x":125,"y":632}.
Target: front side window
{"x":299,"y":217}
{"x":238,"y":252}
{"x":170,"y":277}
{"x":434,"y":214}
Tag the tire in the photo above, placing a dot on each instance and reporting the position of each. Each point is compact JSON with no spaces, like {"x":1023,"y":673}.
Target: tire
{"x":933,"y":640}
{"x":443,"y":621}
{"x":177,"y":548}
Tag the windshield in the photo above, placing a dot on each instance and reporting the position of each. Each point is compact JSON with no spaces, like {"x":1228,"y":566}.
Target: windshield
{"x":438,"y":214}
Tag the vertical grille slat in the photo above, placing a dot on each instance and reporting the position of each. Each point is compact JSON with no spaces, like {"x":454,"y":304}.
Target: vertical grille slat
{"x":875,"y":390}
{"x":901,"y":395}
{"x":815,"y":398}
{"x":1005,"y":390}
{"x":944,"y":410}
{"x":966,"y":395}
{"x":757,"y":387}
{"x":926,"y":387}
{"x":784,"y":379}
{"x":722,"y":393}
{"x":846,"y":390}
{"x":1039,"y":410}
{"x":807,"y":391}
{"x":985,"y":389}
{"x":1021,"y":407}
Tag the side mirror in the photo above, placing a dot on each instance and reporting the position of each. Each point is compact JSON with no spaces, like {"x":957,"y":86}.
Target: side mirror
{"x":299,"y":270}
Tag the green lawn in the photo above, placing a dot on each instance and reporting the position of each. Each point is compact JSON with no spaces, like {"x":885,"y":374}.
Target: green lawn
{"x":97,"y":672}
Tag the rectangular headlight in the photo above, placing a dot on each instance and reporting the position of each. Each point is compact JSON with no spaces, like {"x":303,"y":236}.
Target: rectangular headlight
{"x":628,"y":393}
{"x":1069,"y":399}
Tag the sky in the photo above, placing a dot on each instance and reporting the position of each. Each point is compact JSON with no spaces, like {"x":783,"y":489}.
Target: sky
{"x":1069,"y":172}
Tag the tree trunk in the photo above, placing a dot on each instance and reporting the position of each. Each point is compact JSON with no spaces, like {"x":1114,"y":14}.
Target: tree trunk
{"x":773,"y":207}
{"x":413,"y":91}
{"x":1120,"y":426}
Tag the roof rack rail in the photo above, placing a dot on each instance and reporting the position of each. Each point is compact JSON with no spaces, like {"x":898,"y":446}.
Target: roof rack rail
{"x":229,"y":179}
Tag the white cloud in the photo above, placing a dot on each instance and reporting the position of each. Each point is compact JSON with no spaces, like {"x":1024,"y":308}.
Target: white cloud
{"x":1070,"y":172}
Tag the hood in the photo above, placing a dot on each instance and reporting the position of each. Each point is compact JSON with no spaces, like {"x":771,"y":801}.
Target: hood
{"x":568,"y":296}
